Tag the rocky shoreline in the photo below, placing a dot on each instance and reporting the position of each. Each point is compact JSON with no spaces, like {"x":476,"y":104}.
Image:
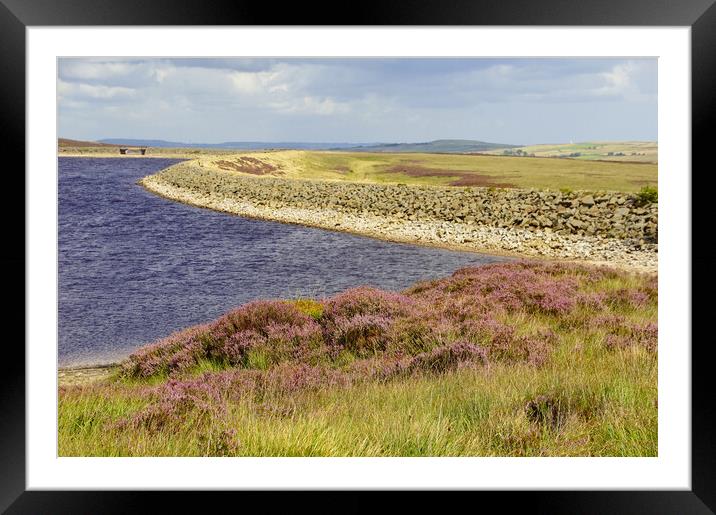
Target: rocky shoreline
{"x":464,"y":228}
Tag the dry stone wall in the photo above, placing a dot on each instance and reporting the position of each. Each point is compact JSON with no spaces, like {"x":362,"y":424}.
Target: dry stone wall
{"x":601,"y":214}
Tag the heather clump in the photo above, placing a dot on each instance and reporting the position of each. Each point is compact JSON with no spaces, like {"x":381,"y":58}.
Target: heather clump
{"x":361,"y":334}
{"x":503,"y":342}
{"x":203,"y":399}
{"x":290,"y":378}
{"x":420,"y":332}
{"x":628,"y":298}
{"x":495,"y":336}
{"x":458,"y":307}
{"x":173,"y":401}
{"x":234,"y":348}
{"x":510,"y":287}
{"x":594,"y":301}
{"x":441,"y":359}
{"x":293,"y":342}
{"x":277,"y":328}
{"x":360,"y":319}
{"x":156,"y":359}
{"x":367,"y":301}
{"x":526,"y":290}
{"x":636,"y":335}
{"x":257,"y":315}
{"x":608,"y":321}
{"x":449,"y":357}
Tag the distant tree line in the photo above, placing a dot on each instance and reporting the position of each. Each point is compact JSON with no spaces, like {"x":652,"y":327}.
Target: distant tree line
{"x":519,"y":152}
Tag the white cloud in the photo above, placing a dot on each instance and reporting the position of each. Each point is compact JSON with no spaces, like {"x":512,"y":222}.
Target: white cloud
{"x":253,"y":83}
{"x":324,"y":106}
{"x":92,"y":91}
{"x":88,"y":70}
{"x":310,"y":105}
{"x":553,"y":82}
{"x":246,"y":82}
{"x":630,"y":80}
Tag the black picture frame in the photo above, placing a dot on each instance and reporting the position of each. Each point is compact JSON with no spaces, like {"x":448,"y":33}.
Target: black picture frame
{"x":17,"y":15}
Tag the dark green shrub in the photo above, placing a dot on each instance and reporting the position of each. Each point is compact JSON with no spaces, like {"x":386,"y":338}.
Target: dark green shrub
{"x":648,"y":194}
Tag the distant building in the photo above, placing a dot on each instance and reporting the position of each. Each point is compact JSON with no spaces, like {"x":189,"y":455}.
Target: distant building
{"x":133,"y":150}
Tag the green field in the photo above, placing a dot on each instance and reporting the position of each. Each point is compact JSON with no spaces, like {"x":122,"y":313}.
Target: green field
{"x":442,"y":169}
{"x":621,"y":151}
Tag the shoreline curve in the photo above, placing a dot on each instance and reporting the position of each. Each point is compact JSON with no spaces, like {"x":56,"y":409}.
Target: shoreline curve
{"x":500,"y":241}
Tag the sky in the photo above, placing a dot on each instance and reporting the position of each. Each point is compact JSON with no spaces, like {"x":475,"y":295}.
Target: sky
{"x":350,"y":100}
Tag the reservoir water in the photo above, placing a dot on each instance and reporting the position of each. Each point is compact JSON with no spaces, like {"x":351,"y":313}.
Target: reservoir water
{"x":134,"y":267}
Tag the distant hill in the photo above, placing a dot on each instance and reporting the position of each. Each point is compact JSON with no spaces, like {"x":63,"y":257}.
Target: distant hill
{"x":64,"y":142}
{"x":233,"y":145}
{"x":456,"y":146}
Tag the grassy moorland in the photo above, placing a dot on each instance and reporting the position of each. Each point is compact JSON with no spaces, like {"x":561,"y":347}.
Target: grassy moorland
{"x":516,"y":359}
{"x":442,"y":169}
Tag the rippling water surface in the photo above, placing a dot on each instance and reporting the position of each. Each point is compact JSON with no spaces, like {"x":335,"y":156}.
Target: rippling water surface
{"x":134,"y":267}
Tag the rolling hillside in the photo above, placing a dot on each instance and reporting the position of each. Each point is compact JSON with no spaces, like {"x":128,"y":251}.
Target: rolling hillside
{"x":229,"y":145}
{"x":65,"y":143}
{"x":441,"y":146}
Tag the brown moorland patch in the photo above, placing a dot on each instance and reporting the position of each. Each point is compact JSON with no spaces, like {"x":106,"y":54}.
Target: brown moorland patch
{"x":250,"y":165}
{"x":464,"y":177}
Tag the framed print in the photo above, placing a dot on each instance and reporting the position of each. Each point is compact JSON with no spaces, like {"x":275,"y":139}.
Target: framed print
{"x":416,"y":252}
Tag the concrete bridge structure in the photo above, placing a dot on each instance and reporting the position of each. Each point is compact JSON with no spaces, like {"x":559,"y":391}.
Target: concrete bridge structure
{"x":133,"y":150}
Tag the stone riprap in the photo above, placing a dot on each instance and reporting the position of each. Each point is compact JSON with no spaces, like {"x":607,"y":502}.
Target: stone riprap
{"x":598,"y":226}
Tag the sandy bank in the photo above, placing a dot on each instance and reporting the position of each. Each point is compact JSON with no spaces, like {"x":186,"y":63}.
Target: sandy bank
{"x":84,"y":375}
